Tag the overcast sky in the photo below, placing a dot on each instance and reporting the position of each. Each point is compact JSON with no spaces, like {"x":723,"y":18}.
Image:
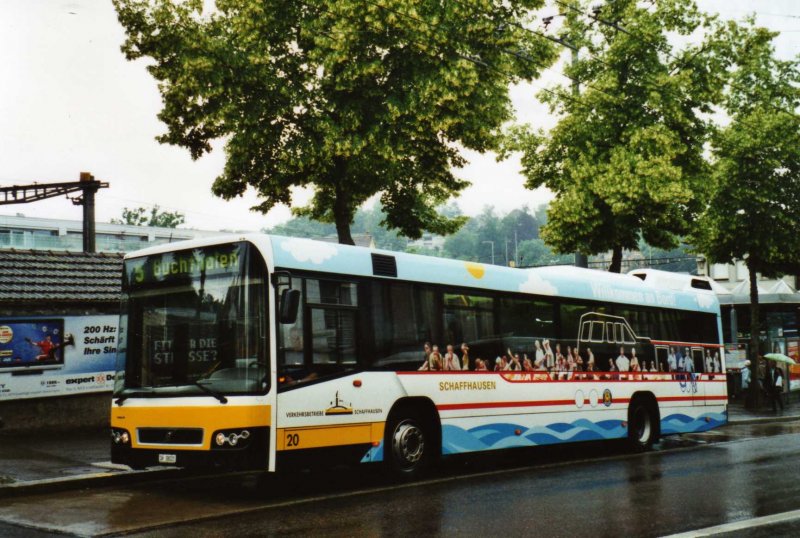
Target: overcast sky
{"x":70,"y":102}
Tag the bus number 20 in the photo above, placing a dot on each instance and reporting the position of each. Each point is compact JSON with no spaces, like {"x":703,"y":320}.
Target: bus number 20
{"x":292,"y":439}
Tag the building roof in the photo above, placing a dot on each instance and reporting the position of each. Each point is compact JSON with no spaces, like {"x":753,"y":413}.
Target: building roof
{"x":38,"y":275}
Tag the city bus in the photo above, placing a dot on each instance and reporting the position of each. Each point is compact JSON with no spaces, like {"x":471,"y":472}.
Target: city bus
{"x":265,"y":352}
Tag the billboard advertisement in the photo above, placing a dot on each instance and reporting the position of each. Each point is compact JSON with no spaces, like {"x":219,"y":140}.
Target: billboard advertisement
{"x":793,"y":350}
{"x":31,"y":344}
{"x":56,"y":356}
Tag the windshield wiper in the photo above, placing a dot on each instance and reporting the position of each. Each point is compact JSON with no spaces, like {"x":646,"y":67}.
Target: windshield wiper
{"x":215,"y":394}
{"x":122,"y":398}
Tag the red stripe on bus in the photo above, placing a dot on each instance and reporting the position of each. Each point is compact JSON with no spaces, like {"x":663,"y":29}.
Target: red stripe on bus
{"x":545,"y":403}
{"x":685,"y":344}
{"x":492,"y":405}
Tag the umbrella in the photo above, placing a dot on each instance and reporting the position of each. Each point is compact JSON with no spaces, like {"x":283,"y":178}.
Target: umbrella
{"x":779,"y":357}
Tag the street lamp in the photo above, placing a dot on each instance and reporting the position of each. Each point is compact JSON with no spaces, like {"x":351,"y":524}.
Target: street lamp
{"x":491,"y":243}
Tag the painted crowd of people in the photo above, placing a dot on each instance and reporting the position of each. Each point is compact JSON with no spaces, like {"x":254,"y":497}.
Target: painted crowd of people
{"x":562,"y":363}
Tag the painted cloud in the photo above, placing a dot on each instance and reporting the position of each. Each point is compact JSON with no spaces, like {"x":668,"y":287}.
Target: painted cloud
{"x":304,"y":250}
{"x":705,"y":301}
{"x":538,"y":285}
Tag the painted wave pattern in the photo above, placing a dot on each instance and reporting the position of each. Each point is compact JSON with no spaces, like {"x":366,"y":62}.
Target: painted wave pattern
{"x":680,"y":423}
{"x":456,"y":440}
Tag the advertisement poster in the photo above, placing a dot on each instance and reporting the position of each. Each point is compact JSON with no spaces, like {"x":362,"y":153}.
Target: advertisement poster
{"x":735,"y":355}
{"x":56,"y":356}
{"x":793,"y":351}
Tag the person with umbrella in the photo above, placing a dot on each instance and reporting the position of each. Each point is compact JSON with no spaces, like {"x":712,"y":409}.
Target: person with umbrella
{"x":777,"y":384}
{"x":773,"y":382}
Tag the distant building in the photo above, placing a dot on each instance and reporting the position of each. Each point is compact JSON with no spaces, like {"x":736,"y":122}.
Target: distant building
{"x":428,"y":241}
{"x":779,"y":310}
{"x":32,"y":233}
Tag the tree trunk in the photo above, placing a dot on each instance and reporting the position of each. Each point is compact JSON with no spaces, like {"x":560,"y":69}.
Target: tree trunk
{"x":755,"y":331}
{"x":343,"y":216}
{"x":616,"y":260}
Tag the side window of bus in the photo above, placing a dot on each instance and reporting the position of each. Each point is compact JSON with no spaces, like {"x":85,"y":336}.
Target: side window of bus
{"x":570,"y":315}
{"x":332,"y":309}
{"x":610,"y":338}
{"x":290,"y":337}
{"x":402,"y":317}
{"x":467,"y":317}
{"x":526,"y":318}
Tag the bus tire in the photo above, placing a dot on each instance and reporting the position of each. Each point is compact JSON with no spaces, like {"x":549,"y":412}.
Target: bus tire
{"x":409,"y":444}
{"x":643,"y":429}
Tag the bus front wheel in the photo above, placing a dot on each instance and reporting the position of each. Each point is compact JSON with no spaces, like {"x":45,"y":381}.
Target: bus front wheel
{"x":409,"y":445}
{"x":642,"y":427}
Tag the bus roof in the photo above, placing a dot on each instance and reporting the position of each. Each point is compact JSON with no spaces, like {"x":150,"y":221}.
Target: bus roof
{"x":557,"y":281}
{"x":562,"y":281}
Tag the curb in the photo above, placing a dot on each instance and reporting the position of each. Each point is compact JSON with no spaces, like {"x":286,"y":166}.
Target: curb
{"x":92,"y":480}
{"x":764,"y":420}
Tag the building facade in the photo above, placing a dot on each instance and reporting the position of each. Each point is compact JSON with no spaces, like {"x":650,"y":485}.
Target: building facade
{"x":31,"y":233}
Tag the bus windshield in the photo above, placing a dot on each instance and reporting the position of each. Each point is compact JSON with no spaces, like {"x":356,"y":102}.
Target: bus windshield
{"x":194,"y":322}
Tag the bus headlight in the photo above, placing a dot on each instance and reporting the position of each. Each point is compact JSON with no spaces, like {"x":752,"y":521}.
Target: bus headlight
{"x":120,"y":436}
{"x":231,"y":438}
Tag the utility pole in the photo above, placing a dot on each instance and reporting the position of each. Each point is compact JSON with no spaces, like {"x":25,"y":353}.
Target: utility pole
{"x":516,"y":253}
{"x":492,"y":244}
{"x":87,"y":186}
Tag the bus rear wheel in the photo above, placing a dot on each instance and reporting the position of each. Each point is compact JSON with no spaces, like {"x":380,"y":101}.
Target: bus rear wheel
{"x":408,"y":446}
{"x":642,"y":428}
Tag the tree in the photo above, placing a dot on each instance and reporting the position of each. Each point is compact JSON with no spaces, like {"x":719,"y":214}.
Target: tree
{"x":365,"y":221}
{"x":754,"y":210}
{"x":533,"y":252}
{"x":625,"y":160}
{"x":141,"y":216}
{"x":351,"y":98}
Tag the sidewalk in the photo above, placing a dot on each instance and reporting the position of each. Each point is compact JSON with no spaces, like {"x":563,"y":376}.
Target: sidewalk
{"x":45,"y":462}
{"x":737,"y":414}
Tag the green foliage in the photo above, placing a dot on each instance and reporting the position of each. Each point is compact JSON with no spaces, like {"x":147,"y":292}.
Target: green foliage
{"x":352,"y":98}
{"x":534,"y":252}
{"x":626,"y":157}
{"x":141,"y":216}
{"x":487,"y":231}
{"x":754,"y":211}
{"x":365,"y":221}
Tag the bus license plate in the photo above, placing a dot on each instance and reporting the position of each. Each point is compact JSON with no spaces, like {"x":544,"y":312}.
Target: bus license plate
{"x":167,"y":458}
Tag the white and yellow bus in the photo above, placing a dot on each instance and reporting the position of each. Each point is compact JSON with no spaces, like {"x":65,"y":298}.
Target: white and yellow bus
{"x":256,"y":352}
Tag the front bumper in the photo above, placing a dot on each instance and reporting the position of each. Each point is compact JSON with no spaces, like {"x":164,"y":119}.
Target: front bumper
{"x":252,"y":456}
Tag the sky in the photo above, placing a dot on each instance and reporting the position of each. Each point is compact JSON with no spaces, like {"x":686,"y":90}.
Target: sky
{"x":70,"y":102}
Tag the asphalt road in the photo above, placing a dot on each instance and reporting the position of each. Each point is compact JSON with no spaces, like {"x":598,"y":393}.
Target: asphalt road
{"x":729,"y":476}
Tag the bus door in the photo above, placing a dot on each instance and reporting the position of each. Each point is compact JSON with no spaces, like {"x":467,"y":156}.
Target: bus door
{"x":697,"y":386}
{"x":286,"y":343}
{"x":662,"y":358}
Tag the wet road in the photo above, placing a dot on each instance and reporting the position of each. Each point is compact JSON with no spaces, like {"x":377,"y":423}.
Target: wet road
{"x":698,"y":481}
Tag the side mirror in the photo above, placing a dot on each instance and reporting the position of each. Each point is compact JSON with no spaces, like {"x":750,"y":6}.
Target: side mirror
{"x":290,"y":302}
